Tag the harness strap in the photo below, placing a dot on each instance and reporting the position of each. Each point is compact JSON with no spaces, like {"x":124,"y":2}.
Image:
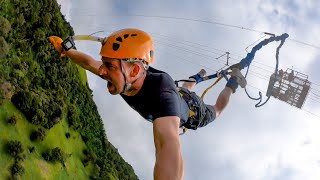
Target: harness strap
{"x":193,"y":121}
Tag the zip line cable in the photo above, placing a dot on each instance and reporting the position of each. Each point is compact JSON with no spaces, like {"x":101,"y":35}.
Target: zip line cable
{"x":314,"y":99}
{"x":196,"y":20}
{"x":192,"y":62}
{"x":255,"y":42}
{"x":311,"y":113}
{"x":221,"y":61}
{"x":236,"y":60}
{"x":206,"y":50}
{"x":190,"y":51}
{"x":315,"y":94}
{"x":316,"y":84}
{"x":190,"y":42}
{"x":258,"y":75}
{"x":211,"y":57}
{"x":210,"y":48}
{"x":230,"y":57}
{"x":314,"y":89}
{"x":217,"y":23}
{"x":195,"y":46}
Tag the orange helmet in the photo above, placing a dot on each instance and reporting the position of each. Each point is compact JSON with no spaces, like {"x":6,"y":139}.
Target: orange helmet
{"x":128,"y":44}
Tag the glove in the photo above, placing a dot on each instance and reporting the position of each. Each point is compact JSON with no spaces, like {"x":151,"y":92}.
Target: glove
{"x":56,"y":43}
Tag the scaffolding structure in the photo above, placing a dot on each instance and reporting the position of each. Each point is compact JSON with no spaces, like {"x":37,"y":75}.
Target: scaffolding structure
{"x":290,"y":86}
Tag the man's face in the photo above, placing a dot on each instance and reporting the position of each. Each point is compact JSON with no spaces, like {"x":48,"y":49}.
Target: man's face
{"x":111,"y":72}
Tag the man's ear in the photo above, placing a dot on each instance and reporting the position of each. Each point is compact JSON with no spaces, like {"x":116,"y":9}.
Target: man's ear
{"x":135,"y":70}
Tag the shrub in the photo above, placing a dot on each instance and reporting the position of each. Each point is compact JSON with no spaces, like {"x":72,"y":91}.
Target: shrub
{"x":31,"y":149}
{"x":38,"y":135}
{"x":13,"y":119}
{"x":21,"y":20}
{"x":14,"y":148}
{"x":5,"y":26}
{"x":68,"y":135}
{"x":54,"y":155}
{"x":6,"y":91}
{"x":17,"y":169}
{"x":4,"y":47}
{"x":89,"y":156}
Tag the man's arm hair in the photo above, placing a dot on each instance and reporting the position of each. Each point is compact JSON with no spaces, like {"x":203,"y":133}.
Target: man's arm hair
{"x":169,"y":162}
{"x":84,"y":60}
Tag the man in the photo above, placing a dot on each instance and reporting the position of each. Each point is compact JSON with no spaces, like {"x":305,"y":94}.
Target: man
{"x":126,"y":56}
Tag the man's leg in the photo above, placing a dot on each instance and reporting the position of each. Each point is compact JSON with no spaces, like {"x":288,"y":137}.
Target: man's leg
{"x":235,"y":80}
{"x":222,"y":101}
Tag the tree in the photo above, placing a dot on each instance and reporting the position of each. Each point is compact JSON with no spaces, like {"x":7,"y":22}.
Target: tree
{"x":4,"y":47}
{"x":5,"y":26}
{"x":47,"y":19}
{"x":21,"y":20}
{"x":38,"y":135}
{"x":14,"y":148}
{"x":6,"y":90}
{"x":17,"y":170}
{"x":55,"y":155}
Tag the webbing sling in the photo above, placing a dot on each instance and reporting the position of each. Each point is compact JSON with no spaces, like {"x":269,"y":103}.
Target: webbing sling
{"x":194,"y":119}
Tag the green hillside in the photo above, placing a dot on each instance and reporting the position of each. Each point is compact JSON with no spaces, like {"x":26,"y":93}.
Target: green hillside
{"x":49,"y":124}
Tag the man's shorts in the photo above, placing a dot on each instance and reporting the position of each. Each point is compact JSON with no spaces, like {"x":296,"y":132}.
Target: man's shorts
{"x":204,"y":113}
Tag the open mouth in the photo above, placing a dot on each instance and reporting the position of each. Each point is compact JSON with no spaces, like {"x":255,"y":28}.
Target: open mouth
{"x":109,"y":84}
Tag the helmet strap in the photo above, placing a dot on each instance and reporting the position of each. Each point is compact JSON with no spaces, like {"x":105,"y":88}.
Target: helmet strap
{"x":128,"y":85}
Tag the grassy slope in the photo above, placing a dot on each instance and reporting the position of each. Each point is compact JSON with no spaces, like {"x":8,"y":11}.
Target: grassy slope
{"x":112,"y":165}
{"x":35,"y":166}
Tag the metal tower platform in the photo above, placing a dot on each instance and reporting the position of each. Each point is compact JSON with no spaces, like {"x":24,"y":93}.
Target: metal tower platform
{"x":290,"y":86}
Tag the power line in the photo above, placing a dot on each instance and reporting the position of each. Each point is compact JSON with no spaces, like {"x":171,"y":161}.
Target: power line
{"x":311,"y":113}
{"x":314,"y":94}
{"x":313,"y":83}
{"x":314,"y":89}
{"x":314,"y":99}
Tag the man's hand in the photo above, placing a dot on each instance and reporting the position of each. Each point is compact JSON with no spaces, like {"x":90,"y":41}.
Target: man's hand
{"x":169,"y":163}
{"x":56,"y":43}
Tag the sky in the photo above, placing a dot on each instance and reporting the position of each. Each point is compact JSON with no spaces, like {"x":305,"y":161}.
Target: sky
{"x":274,"y":142}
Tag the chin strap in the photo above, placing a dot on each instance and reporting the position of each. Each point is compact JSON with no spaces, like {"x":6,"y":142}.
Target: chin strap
{"x":128,"y":85}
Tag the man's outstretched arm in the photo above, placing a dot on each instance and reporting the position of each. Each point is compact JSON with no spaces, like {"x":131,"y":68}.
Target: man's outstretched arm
{"x":84,"y":60}
{"x":169,"y":163}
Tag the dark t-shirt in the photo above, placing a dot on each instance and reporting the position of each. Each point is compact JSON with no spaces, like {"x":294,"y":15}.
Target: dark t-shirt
{"x":158,"y":97}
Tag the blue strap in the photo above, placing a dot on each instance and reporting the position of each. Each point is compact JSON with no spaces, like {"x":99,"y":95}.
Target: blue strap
{"x":245,"y":62}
